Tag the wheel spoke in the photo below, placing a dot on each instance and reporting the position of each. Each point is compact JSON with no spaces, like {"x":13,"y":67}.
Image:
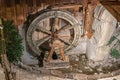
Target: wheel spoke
{"x":55,"y":21}
{"x":44,"y":30}
{"x":54,"y":24}
{"x":41,"y":41}
{"x":67,"y":43}
{"x":66,"y":27}
{"x":63,"y":28}
{"x":64,"y":42}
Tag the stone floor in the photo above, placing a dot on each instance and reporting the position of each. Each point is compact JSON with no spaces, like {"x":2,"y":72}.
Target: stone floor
{"x":22,"y":74}
{"x":111,"y":78}
{"x":78,"y":70}
{"x":26,"y":75}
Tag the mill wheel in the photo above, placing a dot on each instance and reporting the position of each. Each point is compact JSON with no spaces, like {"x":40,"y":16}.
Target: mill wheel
{"x":44,"y":28}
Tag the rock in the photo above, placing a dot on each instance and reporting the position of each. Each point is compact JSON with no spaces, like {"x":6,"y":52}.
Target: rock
{"x":84,"y":63}
{"x":2,"y":76}
{"x":95,"y":73}
{"x":87,"y":67}
{"x":70,"y":76}
{"x":77,"y":59}
{"x":91,"y":70}
{"x":110,"y":65}
{"x":80,"y":71}
{"x":99,"y":69}
{"x":91,"y":64}
{"x":75,"y":64}
{"x":101,"y":73}
{"x":83,"y":57}
{"x":114,"y":60}
{"x":57,"y":73}
{"x":80,"y":77}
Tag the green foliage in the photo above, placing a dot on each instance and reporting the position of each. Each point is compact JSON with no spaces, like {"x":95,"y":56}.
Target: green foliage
{"x":111,"y":40}
{"x":115,"y":53}
{"x":13,"y":41}
{"x":114,"y":50}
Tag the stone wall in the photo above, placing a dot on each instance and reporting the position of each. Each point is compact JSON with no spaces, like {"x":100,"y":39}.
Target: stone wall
{"x":104,"y":26}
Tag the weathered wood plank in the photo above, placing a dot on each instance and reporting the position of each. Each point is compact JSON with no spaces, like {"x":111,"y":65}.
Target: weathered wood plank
{"x":55,"y":64}
{"x":88,"y":9}
{"x":71,"y":6}
{"x":110,"y":3}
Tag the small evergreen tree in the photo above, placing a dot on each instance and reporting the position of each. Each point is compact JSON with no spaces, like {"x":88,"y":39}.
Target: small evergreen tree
{"x":13,"y":41}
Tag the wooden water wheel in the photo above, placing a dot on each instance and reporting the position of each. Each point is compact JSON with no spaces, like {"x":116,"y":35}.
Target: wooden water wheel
{"x":45,"y":27}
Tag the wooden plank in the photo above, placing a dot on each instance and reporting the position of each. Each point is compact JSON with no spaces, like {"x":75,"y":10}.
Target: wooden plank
{"x":25,"y":9}
{"x":110,"y":3}
{"x":14,"y":13}
{"x":51,"y":2}
{"x":0,"y":8}
{"x":17,"y":13}
{"x":88,"y":19}
{"x":71,"y":6}
{"x":8,"y":15}
{"x":3,"y":9}
{"x":56,"y":64}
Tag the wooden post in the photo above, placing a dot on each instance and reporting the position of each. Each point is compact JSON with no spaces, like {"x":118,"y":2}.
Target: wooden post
{"x":84,"y":3}
{"x":88,"y":12}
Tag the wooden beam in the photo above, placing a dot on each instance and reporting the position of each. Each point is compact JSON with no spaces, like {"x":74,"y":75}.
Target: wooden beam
{"x":110,"y":2}
{"x":89,"y":20}
{"x":88,"y":12}
{"x":70,"y":6}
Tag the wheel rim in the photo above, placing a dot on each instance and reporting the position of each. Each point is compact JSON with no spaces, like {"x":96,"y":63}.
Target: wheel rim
{"x":69,"y":28}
